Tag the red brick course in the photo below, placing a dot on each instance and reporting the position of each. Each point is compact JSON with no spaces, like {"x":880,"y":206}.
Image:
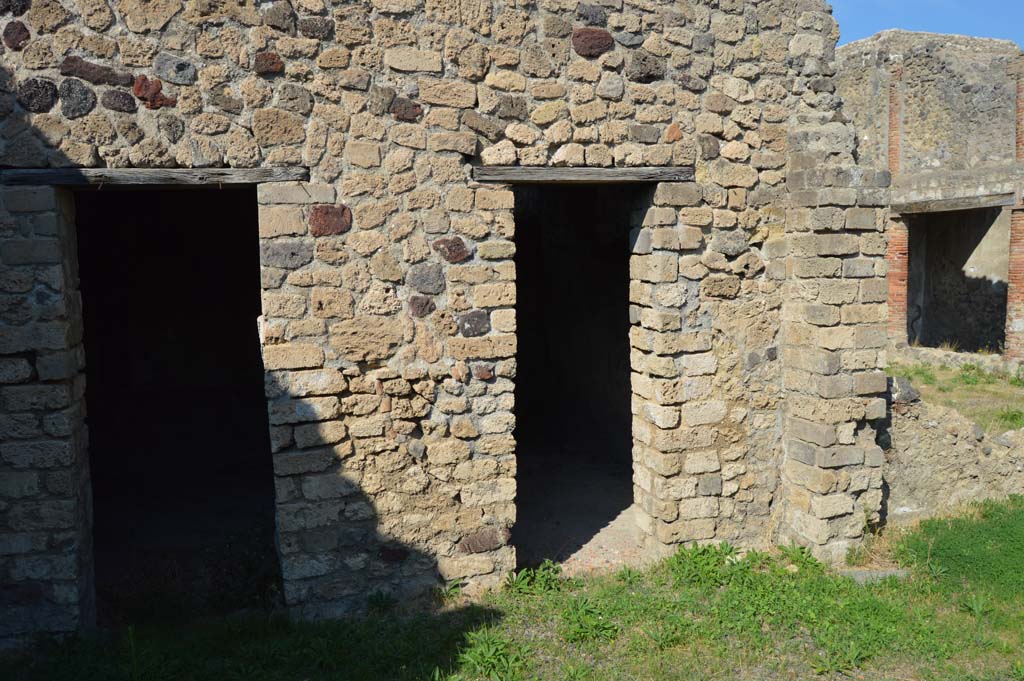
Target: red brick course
{"x":895,"y":120}
{"x":897,"y":255}
{"x":1015,"y":294}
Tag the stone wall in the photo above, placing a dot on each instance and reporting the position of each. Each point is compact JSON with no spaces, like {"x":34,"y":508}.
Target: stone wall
{"x":938,"y":461}
{"x":389,"y":329}
{"x":955,"y":93}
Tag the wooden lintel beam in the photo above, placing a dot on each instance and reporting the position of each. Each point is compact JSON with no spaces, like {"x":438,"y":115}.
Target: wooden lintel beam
{"x":150,"y":176}
{"x":963,"y":203}
{"x":538,"y":174}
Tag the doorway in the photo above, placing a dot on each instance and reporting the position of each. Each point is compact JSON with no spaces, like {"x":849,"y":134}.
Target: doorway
{"x":957,"y":283}
{"x":573,"y":433}
{"x":180,"y":456}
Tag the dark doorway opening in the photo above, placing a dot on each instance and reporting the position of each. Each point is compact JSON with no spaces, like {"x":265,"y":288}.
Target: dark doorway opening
{"x":957,"y":284}
{"x":179,"y":447}
{"x":573,"y":394}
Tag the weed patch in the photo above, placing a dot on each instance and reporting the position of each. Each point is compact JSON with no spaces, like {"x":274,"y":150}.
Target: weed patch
{"x":991,"y":400}
{"x":708,"y":612}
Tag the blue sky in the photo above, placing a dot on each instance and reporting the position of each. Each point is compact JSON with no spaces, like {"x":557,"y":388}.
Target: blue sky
{"x":988,"y":18}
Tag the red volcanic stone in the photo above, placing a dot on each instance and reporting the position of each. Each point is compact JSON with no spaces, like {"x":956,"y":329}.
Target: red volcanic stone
{"x":421,"y":306}
{"x":405,"y":109}
{"x":326,"y":220}
{"x":452,"y":249}
{"x":150,"y":93}
{"x":484,"y":540}
{"x":483,"y":372}
{"x":15,"y":35}
{"x":591,"y":42}
{"x":267,"y":63}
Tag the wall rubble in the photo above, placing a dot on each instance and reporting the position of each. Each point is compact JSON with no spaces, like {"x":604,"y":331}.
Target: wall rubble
{"x":940,"y":461}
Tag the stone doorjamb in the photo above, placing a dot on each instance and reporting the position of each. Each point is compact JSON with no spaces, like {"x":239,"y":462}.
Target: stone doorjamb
{"x":675,"y":501}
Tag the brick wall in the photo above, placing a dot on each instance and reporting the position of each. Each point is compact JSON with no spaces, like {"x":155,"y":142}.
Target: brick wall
{"x":897,"y":257}
{"x":1015,"y":293}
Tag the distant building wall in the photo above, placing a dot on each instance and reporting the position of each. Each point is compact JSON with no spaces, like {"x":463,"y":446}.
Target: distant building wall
{"x":957,"y":99}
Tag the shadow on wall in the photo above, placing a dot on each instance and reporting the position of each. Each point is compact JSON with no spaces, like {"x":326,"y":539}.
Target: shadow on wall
{"x":335,"y":557}
{"x":958,"y":276}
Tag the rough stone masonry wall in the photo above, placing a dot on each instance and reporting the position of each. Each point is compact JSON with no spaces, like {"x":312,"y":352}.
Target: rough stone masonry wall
{"x":955,"y":95}
{"x":939,"y":461}
{"x":45,"y":556}
{"x":389,"y":279}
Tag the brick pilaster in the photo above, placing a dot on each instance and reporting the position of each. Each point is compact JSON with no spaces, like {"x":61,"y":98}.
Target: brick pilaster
{"x":1015,"y":294}
{"x":897,"y":256}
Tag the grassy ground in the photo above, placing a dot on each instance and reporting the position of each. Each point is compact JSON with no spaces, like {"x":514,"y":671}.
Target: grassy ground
{"x":994,"y":401}
{"x":706,"y":613}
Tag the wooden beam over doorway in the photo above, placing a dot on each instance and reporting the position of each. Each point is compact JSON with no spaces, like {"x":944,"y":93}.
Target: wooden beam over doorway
{"x":543,"y":174}
{"x":150,"y":176}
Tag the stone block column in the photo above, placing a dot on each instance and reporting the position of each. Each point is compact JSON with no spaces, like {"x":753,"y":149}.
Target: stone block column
{"x":1015,"y":294}
{"x":46,"y":584}
{"x":897,"y":257}
{"x":833,"y":345}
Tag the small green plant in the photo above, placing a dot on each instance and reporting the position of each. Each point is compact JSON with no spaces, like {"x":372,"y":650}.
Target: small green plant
{"x":666,"y":634}
{"x":582,"y":621}
{"x":703,"y":566}
{"x":134,"y":671}
{"x":1011,"y":419}
{"x":917,"y":372}
{"x":449,"y":592}
{"x":438,"y":675}
{"x":490,"y":655}
{"x":575,"y":671}
{"x":838,"y":661}
{"x":936,"y":571}
{"x":629,"y":576}
{"x":972,"y":374}
{"x":801,"y":557}
{"x":544,"y":578}
{"x":380,"y":602}
{"x":976,"y":605}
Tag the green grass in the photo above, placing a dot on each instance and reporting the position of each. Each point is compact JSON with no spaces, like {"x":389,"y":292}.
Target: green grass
{"x":992,"y":400}
{"x":706,"y":613}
